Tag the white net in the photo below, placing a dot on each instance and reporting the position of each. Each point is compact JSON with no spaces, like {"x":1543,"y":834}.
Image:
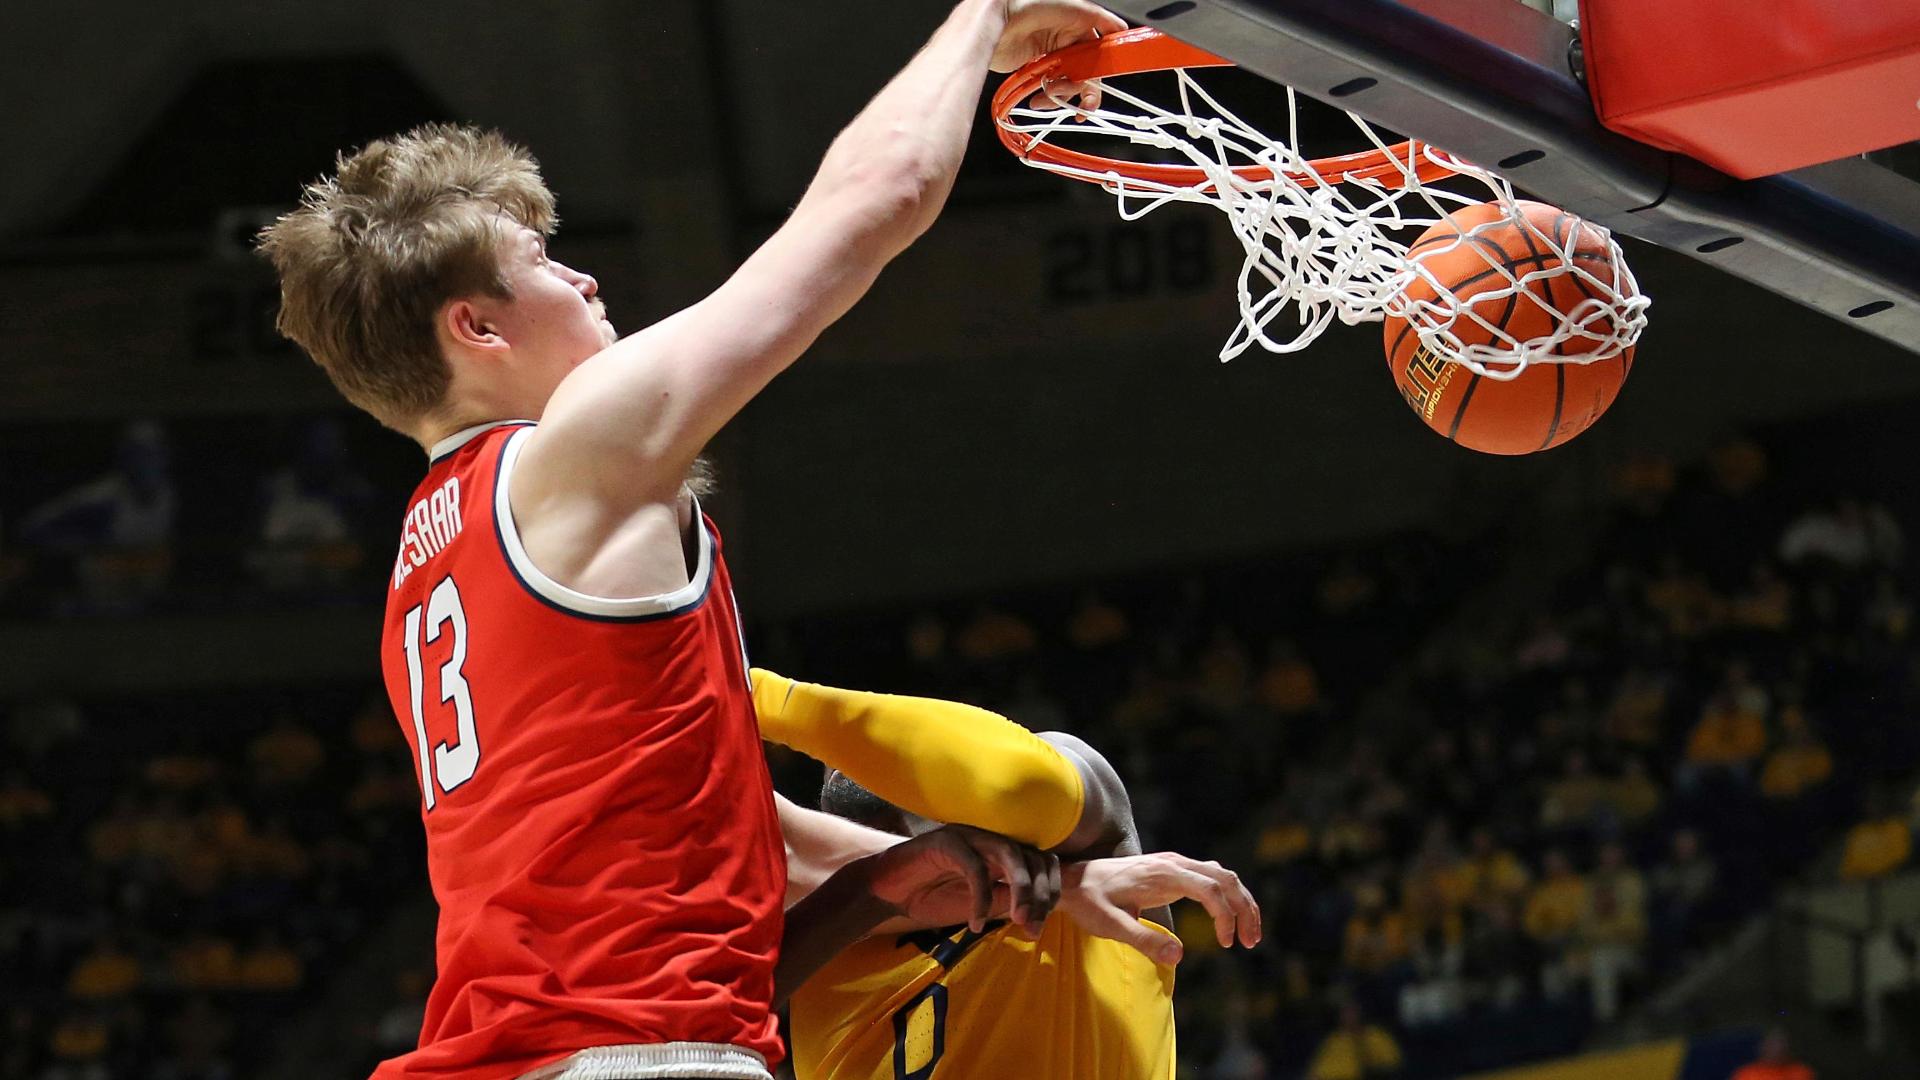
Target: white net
{"x":1330,"y":239}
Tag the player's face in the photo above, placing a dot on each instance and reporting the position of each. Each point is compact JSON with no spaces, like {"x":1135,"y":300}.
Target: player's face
{"x":555,"y":319}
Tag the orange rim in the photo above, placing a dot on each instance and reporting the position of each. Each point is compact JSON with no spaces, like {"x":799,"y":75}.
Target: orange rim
{"x":1142,"y":50}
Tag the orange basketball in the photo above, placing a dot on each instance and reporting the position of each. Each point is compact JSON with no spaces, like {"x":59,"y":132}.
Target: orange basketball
{"x":1548,"y":403}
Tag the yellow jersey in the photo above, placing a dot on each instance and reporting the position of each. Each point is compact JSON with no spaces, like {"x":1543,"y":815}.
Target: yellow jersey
{"x":953,"y":1005}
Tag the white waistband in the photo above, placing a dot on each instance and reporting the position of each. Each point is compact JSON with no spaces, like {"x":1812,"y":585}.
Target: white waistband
{"x":657,"y":1061}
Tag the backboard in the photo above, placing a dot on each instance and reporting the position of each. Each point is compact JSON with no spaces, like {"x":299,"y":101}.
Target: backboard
{"x":1502,"y":84}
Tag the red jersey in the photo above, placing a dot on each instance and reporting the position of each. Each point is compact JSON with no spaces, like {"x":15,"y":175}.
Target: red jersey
{"x":601,"y":832}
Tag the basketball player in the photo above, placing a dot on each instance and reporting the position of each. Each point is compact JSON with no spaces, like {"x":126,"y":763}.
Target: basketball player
{"x":1090,"y":996}
{"x":561,"y":644}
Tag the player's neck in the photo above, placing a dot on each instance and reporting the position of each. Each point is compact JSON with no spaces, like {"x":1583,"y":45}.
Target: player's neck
{"x":468,"y":412}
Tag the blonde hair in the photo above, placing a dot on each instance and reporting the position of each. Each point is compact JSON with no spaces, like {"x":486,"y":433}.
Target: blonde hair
{"x":373,"y":252}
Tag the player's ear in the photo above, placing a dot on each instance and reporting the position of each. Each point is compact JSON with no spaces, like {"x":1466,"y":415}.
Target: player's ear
{"x":466,"y":326}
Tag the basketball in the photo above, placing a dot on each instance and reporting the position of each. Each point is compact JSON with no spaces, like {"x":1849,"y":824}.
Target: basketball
{"x":1546,"y":404}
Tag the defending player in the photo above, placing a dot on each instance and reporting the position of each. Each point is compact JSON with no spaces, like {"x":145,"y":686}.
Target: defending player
{"x":561,"y":644}
{"x":1090,"y":997}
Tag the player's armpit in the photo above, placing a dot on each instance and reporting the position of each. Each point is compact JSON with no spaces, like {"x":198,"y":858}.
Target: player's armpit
{"x":939,"y":759}
{"x":819,"y":844}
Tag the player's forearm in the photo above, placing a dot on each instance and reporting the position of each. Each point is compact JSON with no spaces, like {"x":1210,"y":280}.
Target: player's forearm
{"x":938,"y":759}
{"x":903,"y":150}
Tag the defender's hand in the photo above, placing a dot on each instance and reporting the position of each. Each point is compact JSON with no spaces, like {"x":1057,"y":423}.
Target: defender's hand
{"x":1038,"y":27}
{"x":951,"y":871}
{"x":1106,"y":896}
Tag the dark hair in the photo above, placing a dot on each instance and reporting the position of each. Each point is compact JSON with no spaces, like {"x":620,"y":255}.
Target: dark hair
{"x":841,"y":797}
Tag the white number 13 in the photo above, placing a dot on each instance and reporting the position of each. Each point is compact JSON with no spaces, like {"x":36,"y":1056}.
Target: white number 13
{"x":452,"y":764}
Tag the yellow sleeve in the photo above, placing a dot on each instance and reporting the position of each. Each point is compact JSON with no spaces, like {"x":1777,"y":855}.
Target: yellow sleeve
{"x":939,"y":759}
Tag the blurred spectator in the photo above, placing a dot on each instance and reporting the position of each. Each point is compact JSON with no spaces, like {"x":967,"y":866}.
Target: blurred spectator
{"x":1350,"y":838}
{"x":1436,"y":938}
{"x":1737,"y":465}
{"x":1556,"y":905}
{"x":926,"y":639}
{"x":1800,"y":761}
{"x":1846,"y":534}
{"x":1637,"y":712}
{"x":275,"y":853}
{"x":1879,"y":845}
{"x":1681,"y":597}
{"x":1643,"y":483}
{"x":22,"y":803}
{"x":1889,"y":612}
{"x":382,"y":789}
{"x":1439,"y":870}
{"x":1222,"y":681}
{"x":1376,"y":935}
{"x":269,"y":966}
{"x":1765,"y":603}
{"x":1356,"y":1050}
{"x":1682,"y":886}
{"x":994,"y":634}
{"x":1730,"y":736}
{"x":308,"y":538}
{"x":205,"y":961}
{"x":1499,"y":959}
{"x":1613,"y":928}
{"x":1096,"y":624}
{"x":1238,"y":1058}
{"x":1576,"y":798}
{"x":1145,"y":710}
{"x":1493,"y":874}
{"x":106,"y":972}
{"x":1346,"y":589}
{"x":182,"y":772}
{"x":79,"y":1044}
{"x":117,"y":529}
{"x":373,"y":730}
{"x":1634,"y":797}
{"x":1776,"y":1061}
{"x":1282,"y":837}
{"x":398,"y":1029}
{"x":1288,"y":686}
{"x":285,"y":755}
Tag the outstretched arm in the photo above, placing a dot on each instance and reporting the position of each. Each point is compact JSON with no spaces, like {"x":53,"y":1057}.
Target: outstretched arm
{"x":624,"y":426}
{"x":952,"y":762}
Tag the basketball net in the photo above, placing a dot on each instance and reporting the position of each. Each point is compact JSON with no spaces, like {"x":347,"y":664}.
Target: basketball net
{"x":1324,"y":238}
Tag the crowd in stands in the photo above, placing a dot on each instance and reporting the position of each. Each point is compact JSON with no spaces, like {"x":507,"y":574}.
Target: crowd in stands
{"x":1473,"y":839}
{"x":130,"y":538}
{"x":1541,"y":818}
{"x":171,"y":903}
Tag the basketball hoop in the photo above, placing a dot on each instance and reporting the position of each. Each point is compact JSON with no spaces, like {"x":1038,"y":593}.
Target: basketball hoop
{"x":1319,"y":233}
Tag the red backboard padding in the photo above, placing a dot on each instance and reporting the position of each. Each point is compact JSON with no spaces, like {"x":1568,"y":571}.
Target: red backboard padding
{"x":1756,"y":87}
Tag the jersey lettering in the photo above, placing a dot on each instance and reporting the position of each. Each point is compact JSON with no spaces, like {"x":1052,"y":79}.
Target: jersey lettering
{"x":449,"y":764}
{"x":431,"y":524}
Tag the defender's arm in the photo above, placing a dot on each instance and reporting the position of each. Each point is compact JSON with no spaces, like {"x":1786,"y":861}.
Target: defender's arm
{"x":957,"y":763}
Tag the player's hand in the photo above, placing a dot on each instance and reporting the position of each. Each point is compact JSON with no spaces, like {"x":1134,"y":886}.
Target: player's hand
{"x":949,"y":875}
{"x":1038,"y":27}
{"x":1106,"y":896}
